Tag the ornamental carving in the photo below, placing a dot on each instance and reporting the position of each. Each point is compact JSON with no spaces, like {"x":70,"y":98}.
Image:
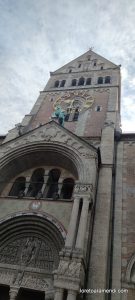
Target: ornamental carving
{"x":72,"y":99}
{"x":30,"y":280}
{"x":51,"y":133}
{"x":30,"y":252}
{"x":83,"y":188}
{"x":70,"y":269}
{"x":34,"y":281}
{"x":6,"y":276}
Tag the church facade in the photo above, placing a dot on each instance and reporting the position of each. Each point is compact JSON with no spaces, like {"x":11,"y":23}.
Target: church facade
{"x":67,"y":191}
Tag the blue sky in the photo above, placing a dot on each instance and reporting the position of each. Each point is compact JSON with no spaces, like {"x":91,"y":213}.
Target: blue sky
{"x":37,"y":37}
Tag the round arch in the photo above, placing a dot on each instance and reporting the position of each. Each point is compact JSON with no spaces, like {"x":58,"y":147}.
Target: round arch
{"x":29,"y":245}
{"x":129,"y":271}
{"x":20,"y":159}
{"x":40,"y":222}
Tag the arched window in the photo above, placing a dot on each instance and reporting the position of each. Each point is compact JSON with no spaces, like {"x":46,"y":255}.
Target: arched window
{"x":67,"y":114}
{"x":81,"y":81}
{"x":36,"y":183}
{"x":56,"y":83}
{"x":67,"y":188}
{"x":100,"y":80}
{"x":88,"y":81}
{"x":18,"y":187}
{"x":62,"y":83}
{"x":52,"y":190}
{"x":98,"y":108}
{"x":76,"y":114}
{"x":74,"y":82}
{"x":107,"y":79}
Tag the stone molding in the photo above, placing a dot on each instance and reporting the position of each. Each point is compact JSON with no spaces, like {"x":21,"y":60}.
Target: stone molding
{"x":50,"y":133}
{"x":49,"y":138}
{"x":43,"y":215}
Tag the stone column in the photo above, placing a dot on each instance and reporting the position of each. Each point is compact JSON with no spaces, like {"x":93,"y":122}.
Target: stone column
{"x":13,"y":293}
{"x":58,"y":294}
{"x":72,"y":225}
{"x":83,"y":224}
{"x":60,"y":186}
{"x":45,"y":181}
{"x":27,"y":185}
{"x":44,"y":187}
{"x":71,"y":295}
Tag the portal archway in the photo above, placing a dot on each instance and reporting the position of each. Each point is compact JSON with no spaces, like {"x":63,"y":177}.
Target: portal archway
{"x":29,"y":251}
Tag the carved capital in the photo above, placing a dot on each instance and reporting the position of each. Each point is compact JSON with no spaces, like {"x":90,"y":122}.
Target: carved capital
{"x":13,"y":293}
{"x":83,"y":188}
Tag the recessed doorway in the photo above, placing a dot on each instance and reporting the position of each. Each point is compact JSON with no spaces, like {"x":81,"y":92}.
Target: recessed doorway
{"x":4,"y":292}
{"x":27,"y":294}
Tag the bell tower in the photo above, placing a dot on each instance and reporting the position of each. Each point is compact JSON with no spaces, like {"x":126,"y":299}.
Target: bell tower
{"x":86,"y":89}
{"x":57,"y":168}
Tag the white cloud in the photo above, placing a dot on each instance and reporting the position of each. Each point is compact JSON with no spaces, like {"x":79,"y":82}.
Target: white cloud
{"x":132,"y":82}
{"x":124,"y":74}
{"x":40,"y":36}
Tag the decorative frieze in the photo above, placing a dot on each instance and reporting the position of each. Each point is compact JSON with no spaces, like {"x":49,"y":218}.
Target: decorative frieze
{"x":83,"y":188}
{"x":49,"y":133}
{"x":70,"y":269}
{"x":6,"y":276}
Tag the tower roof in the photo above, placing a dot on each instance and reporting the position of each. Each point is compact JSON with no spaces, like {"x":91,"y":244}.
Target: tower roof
{"x":87,"y":57}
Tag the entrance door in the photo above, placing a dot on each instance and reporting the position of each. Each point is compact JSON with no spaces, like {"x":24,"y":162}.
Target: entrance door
{"x":4,"y":292}
{"x":27,"y":294}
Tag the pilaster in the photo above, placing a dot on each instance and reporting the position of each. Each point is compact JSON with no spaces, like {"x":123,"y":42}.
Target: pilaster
{"x":73,"y":223}
{"x":98,"y":273}
{"x":83,"y":224}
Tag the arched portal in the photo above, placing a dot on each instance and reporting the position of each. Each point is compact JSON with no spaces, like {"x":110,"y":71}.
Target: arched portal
{"x":29,"y":251}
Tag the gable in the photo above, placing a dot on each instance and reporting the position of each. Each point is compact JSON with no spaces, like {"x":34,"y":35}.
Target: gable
{"x":50,"y":133}
{"x":86,"y":62}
